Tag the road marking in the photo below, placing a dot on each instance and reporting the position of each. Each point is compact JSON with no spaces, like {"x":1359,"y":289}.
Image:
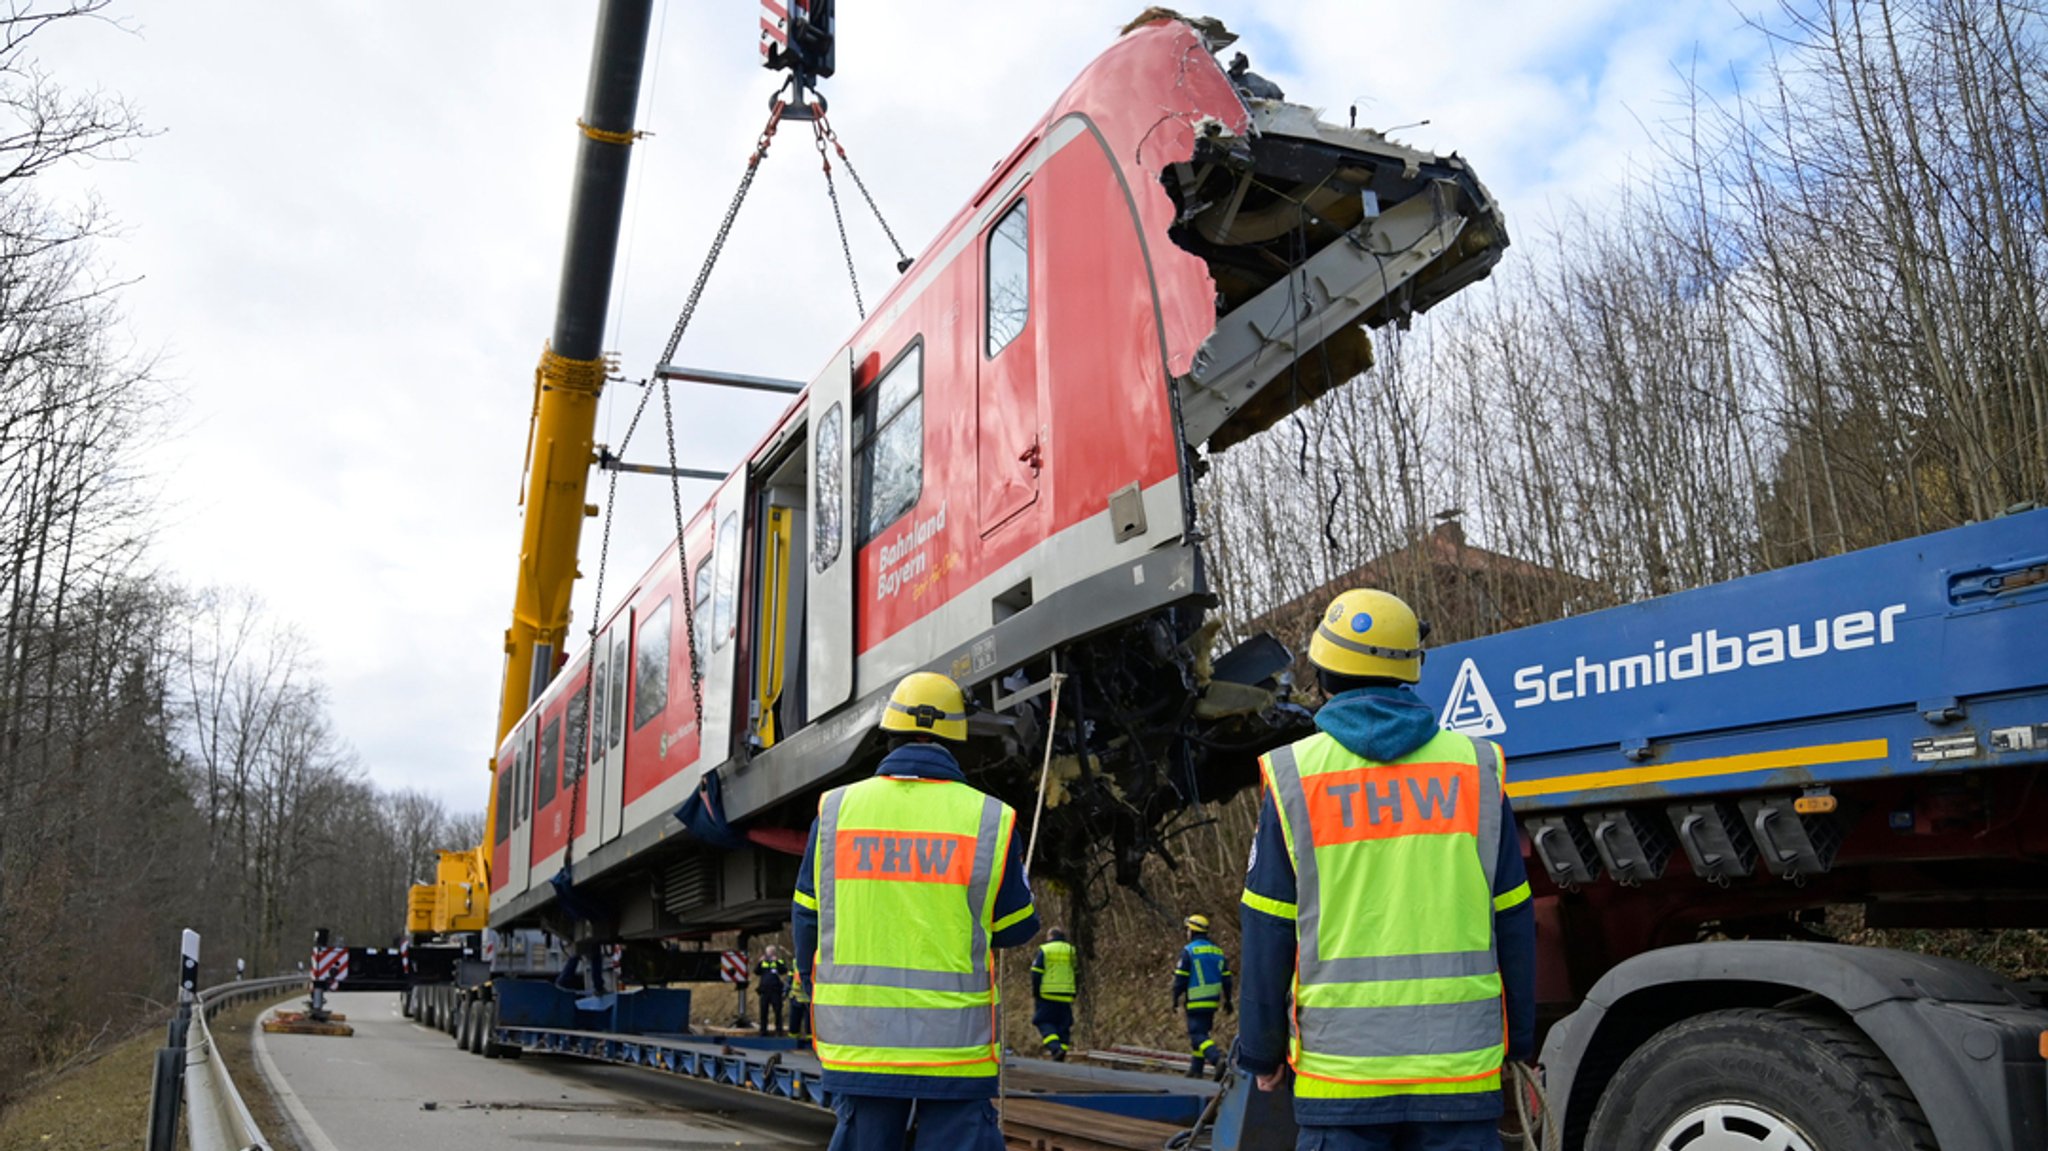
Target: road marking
{"x":309,"y":1131}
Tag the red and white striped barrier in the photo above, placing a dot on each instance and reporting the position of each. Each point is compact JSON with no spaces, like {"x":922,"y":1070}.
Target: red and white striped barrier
{"x":732,"y":967}
{"x":330,"y":964}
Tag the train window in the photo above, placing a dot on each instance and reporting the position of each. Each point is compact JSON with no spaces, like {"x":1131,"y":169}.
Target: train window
{"x":725,"y":603}
{"x":573,"y":741}
{"x":827,"y":520}
{"x":550,"y":766}
{"x":888,"y":460}
{"x":615,"y":725}
{"x":700,"y":608}
{"x":504,"y":814}
{"x":598,"y":668}
{"x":1009,"y":278}
{"x":522,"y":782}
{"x":650,"y":667}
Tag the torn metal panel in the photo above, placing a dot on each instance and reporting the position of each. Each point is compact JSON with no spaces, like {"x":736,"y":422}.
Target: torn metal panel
{"x":1313,"y":232}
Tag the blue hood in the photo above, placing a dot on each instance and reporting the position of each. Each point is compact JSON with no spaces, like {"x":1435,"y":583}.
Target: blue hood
{"x":923,"y":761}
{"x":1379,"y":723}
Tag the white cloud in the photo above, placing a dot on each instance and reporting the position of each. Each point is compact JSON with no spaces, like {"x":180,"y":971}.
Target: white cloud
{"x":351,"y":225}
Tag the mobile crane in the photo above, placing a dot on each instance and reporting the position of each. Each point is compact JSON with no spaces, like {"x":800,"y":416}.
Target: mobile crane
{"x":446,"y":920}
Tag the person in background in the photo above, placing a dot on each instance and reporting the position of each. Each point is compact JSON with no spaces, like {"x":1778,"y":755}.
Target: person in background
{"x":911,"y":881}
{"x":1203,"y":979}
{"x":1386,"y":908}
{"x":799,"y":1007}
{"x":770,"y":985}
{"x":1054,"y":982}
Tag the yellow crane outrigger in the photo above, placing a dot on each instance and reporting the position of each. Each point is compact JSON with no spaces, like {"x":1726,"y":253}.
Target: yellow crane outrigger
{"x":559,"y":450}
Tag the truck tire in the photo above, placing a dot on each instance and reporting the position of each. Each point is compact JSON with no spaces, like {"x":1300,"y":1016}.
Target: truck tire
{"x":1756,"y":1078}
{"x":488,"y":1045}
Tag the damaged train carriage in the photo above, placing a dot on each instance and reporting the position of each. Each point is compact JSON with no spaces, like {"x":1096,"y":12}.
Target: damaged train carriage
{"x":995,"y":473}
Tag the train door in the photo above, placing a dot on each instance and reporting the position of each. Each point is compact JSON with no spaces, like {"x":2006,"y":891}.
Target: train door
{"x":716,"y":638}
{"x":605,"y":788}
{"x":522,"y":810}
{"x":781,"y":535}
{"x":1009,"y":452}
{"x":828,"y":623}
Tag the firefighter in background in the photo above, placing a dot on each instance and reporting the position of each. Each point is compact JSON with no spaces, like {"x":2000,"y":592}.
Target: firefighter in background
{"x":910,"y":882}
{"x":771,"y":974}
{"x":1203,"y":979}
{"x":1054,"y":981}
{"x":1386,"y":895}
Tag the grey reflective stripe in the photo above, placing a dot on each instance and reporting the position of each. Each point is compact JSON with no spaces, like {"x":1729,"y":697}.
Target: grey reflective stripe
{"x":1380,"y":968}
{"x":1293,"y":799}
{"x":911,"y":979}
{"x":1407,"y":1031}
{"x":985,"y":864}
{"x":935,"y":1028}
{"x":1366,"y":648}
{"x":1489,"y":807}
{"x":828,"y":871}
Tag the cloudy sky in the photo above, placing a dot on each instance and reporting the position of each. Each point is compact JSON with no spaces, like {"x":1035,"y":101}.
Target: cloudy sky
{"x":347,"y":233}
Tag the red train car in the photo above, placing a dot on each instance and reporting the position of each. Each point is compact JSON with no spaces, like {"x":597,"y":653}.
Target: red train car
{"x":995,"y":471}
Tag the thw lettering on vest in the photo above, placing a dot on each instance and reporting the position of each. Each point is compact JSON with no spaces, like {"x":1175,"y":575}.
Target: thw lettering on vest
{"x":1392,"y":800}
{"x":904,"y":856}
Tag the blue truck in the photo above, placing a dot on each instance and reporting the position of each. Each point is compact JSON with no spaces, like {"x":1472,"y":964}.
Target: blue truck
{"x":1703,"y":779}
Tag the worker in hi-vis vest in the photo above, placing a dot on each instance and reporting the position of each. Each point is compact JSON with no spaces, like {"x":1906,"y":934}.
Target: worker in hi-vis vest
{"x":910,"y":882}
{"x":1387,"y":905}
{"x":1203,"y":978}
{"x":1054,"y":983}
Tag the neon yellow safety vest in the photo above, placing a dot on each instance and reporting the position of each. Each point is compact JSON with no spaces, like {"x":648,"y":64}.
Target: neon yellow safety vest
{"x":1397,"y":989}
{"x":905,"y":876}
{"x":1056,"y":978}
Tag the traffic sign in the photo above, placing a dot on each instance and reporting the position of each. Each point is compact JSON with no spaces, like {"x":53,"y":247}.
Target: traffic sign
{"x":732,"y":967}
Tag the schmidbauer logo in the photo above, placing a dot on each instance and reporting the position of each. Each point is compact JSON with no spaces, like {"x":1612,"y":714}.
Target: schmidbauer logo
{"x":1470,"y":709}
{"x":1700,"y":654}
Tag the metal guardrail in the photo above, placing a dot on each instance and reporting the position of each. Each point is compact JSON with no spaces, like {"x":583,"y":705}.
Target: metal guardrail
{"x":216,"y":1119}
{"x":190,"y":1071}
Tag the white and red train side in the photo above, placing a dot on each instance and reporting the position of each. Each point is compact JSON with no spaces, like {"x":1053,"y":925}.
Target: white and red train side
{"x":997,"y":466}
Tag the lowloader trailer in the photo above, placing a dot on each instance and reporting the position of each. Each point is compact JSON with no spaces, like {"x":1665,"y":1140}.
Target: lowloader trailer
{"x":1711,"y":784}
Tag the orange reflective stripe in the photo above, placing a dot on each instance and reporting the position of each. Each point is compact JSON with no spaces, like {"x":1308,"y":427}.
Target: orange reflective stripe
{"x":904,"y":857}
{"x":1390,"y":800}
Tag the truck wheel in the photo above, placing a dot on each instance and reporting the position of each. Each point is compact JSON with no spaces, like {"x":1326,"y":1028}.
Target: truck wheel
{"x":487,"y":1045}
{"x":1751,"y":1079}
{"x":405,"y":1003}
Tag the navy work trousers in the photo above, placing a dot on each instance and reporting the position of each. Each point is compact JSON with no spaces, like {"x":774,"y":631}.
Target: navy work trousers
{"x":1464,"y":1135}
{"x":878,"y":1123}
{"x":1200,"y":1021}
{"x":1055,"y":1023}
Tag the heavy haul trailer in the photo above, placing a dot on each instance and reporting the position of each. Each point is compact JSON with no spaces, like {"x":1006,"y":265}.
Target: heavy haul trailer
{"x":1723,"y":764}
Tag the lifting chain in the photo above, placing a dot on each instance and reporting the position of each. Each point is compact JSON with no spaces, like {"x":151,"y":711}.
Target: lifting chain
{"x":668,"y":352}
{"x":831,"y":192}
{"x":824,"y":128}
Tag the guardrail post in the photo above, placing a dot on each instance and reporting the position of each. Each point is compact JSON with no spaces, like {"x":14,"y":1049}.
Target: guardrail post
{"x":169,"y":1081}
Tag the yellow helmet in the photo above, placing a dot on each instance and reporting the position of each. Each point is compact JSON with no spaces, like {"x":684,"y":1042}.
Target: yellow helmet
{"x":1197,"y":922}
{"x":1369,"y":634}
{"x":925,"y":701}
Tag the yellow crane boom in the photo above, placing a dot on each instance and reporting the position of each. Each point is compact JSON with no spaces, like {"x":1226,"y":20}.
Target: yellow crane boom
{"x":567,"y":385}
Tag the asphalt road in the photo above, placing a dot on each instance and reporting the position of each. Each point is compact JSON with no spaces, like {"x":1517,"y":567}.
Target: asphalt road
{"x":395,"y":1084}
